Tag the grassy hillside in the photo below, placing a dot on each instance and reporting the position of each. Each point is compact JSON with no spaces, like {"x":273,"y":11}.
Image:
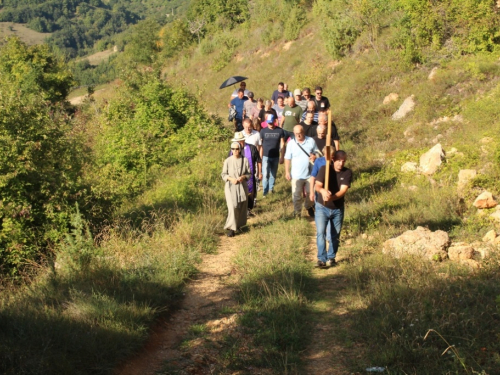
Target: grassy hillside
{"x":24,"y":33}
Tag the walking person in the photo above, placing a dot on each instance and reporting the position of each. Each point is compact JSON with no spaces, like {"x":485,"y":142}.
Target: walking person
{"x":238,"y":104}
{"x":330,"y":207}
{"x":236,"y":172}
{"x":251,"y":153}
{"x":300,"y":154}
{"x":272,"y":151}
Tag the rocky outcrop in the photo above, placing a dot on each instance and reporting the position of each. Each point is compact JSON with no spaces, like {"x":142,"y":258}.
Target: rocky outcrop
{"x":405,"y":108}
{"x":431,"y":160}
{"x":460,"y":251}
{"x":420,"y":242}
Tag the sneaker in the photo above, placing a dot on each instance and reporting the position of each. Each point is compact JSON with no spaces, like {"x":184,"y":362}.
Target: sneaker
{"x":230,"y":233}
{"x":310,"y":211}
{"x":331,"y":263}
{"x":320,"y":264}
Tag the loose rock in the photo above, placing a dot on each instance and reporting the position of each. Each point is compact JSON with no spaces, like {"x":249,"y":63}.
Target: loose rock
{"x":405,"y":108}
{"x":460,"y":251}
{"x":433,"y":73}
{"x":464,"y":176}
{"x":485,"y":200}
{"x":421,"y":242}
{"x":490,"y":236}
{"x":392,"y":97}
{"x":432,"y":159}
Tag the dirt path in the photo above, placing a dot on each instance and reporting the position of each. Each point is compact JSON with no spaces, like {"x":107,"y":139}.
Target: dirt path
{"x":208,"y":294}
{"x":327,"y":354}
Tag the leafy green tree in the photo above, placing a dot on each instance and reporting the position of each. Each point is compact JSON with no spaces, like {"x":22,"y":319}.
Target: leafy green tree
{"x":34,"y":69}
{"x":144,"y":42}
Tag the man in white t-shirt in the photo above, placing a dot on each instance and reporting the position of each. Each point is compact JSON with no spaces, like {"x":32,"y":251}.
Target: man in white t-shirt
{"x":243,"y":86}
{"x":252,"y":137}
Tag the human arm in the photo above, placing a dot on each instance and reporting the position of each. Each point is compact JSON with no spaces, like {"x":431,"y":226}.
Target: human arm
{"x":312,"y":180}
{"x":337,"y":144}
{"x":287,"y":169}
{"x":282,"y":150}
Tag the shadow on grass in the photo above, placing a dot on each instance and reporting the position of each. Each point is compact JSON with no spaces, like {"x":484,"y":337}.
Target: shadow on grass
{"x":82,"y":325}
{"x":398,"y":310}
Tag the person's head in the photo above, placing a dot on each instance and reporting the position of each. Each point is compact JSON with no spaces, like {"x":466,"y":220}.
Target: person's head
{"x":280,"y":101}
{"x":260,"y":103}
{"x":243,"y":85}
{"x":256,"y":124}
{"x":298,"y":132}
{"x":250,"y":95}
{"x":322,"y":119}
{"x":281,"y":86}
{"x":285,"y":86}
{"x":236,"y":149}
{"x":321,"y":131}
{"x":319,"y":92}
{"x":271,"y":119}
{"x":241,"y":93}
{"x":311,"y":106}
{"x":268,"y":105}
{"x":247,"y":125}
{"x":332,"y":151}
{"x":339,"y":159}
{"x":306,"y":93}
{"x":291,"y":101}
{"x":309,"y":117}
{"x":297,"y":94}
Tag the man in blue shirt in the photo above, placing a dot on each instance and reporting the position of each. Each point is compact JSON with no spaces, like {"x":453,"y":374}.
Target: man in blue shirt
{"x":238,"y":103}
{"x":300,"y":154}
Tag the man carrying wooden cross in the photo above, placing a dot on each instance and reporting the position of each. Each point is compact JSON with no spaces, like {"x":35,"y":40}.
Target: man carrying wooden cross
{"x":332,"y":183}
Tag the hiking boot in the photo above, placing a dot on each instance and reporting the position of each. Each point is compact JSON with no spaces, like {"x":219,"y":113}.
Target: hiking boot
{"x":310,"y":211}
{"x":230,"y":233}
{"x":320,"y":264}
{"x":331,"y":263}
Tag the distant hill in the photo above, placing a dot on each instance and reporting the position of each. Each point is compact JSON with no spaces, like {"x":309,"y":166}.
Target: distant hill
{"x":24,"y":33}
{"x":78,"y":24}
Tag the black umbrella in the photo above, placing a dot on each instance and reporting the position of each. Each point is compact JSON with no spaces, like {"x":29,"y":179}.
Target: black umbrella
{"x":231,"y":81}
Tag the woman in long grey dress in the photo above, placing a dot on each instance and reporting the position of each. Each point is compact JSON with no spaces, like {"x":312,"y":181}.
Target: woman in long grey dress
{"x":236,"y":172}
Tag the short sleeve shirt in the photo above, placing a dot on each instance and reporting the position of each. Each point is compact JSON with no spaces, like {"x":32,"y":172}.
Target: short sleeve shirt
{"x":292,"y":117}
{"x":271,"y":140}
{"x":239,"y":103}
{"x":310,"y":130}
{"x":322,"y":104}
{"x":253,"y":138}
{"x":277,"y":94}
{"x":336,"y":180}
{"x":300,"y":157}
{"x":318,"y":163}
{"x":248,"y":106}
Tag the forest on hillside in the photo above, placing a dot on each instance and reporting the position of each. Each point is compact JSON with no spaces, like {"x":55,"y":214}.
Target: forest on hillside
{"x":77,"y":25}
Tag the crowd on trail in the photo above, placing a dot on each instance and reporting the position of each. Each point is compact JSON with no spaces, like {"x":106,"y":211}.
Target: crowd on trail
{"x":291,"y":129}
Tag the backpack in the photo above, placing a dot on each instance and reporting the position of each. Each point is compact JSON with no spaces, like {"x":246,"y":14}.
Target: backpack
{"x":232,"y":113}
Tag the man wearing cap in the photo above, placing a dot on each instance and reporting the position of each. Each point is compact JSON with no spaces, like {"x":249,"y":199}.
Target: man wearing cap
{"x":243,"y":85}
{"x":271,"y":152}
{"x":238,"y":104}
{"x":291,"y":116}
{"x":300,"y":154}
{"x":250,"y":153}
{"x":249,"y":106}
{"x":299,"y":99}
{"x":330,"y":207}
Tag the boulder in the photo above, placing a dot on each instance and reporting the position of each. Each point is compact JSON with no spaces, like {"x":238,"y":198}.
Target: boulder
{"x":433,"y":73}
{"x":420,"y":242}
{"x":471,"y":263}
{"x":495,"y":216}
{"x":405,"y":108}
{"x":483,"y":252}
{"x":485,"y":200}
{"x":460,"y":251}
{"x":409,"y":167}
{"x":490,"y":236}
{"x":392,"y":97}
{"x":431,"y":160}
{"x":464,"y":176}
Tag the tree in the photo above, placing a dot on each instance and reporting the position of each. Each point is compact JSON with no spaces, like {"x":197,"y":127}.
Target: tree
{"x":35,"y":69}
{"x":196,"y":26}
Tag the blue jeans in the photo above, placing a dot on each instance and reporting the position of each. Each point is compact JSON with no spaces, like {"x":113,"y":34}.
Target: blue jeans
{"x":328,"y":220}
{"x":269,"y":171}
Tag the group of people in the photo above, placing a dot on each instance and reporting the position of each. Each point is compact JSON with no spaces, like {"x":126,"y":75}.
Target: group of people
{"x":290,"y":129}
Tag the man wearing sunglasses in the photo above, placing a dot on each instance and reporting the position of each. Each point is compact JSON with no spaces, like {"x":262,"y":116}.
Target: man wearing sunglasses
{"x":322,"y":102}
